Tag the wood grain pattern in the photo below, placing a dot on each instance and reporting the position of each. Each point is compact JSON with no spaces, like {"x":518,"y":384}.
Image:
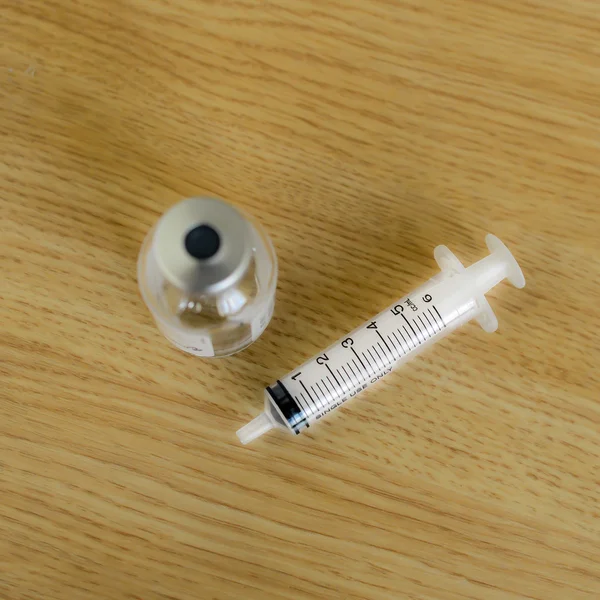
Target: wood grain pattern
{"x":362,"y":133}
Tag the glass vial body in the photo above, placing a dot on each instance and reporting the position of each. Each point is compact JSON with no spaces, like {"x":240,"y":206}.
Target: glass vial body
{"x":208,"y":274}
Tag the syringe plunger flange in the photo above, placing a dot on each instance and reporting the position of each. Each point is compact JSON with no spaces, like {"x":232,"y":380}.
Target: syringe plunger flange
{"x":478,"y":279}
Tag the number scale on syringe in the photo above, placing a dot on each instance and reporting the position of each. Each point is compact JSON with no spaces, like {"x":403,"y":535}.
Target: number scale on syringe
{"x":369,"y":353}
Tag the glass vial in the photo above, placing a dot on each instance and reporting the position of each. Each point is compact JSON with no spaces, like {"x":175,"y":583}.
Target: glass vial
{"x":208,"y":274}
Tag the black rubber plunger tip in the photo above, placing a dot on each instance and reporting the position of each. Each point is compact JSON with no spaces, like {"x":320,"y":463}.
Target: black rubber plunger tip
{"x":202,"y":242}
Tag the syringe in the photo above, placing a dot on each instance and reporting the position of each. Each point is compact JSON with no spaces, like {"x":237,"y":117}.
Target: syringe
{"x":370,"y":352}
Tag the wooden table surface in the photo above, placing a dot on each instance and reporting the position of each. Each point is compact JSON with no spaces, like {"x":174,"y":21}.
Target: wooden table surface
{"x":361,"y":133}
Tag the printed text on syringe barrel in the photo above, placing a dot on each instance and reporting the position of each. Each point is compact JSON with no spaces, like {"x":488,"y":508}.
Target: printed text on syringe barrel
{"x":369,"y":353}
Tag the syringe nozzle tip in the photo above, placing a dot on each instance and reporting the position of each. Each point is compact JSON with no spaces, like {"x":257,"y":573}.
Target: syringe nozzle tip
{"x":255,"y":428}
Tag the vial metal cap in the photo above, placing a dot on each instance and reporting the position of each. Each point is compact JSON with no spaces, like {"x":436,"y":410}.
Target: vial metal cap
{"x":202,"y":245}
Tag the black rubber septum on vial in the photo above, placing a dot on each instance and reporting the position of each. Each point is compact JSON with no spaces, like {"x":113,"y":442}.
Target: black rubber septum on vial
{"x":202,"y":242}
{"x":289,"y":408}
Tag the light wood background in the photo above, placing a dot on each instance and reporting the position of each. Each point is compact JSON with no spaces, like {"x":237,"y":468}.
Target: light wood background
{"x":362,"y":133}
